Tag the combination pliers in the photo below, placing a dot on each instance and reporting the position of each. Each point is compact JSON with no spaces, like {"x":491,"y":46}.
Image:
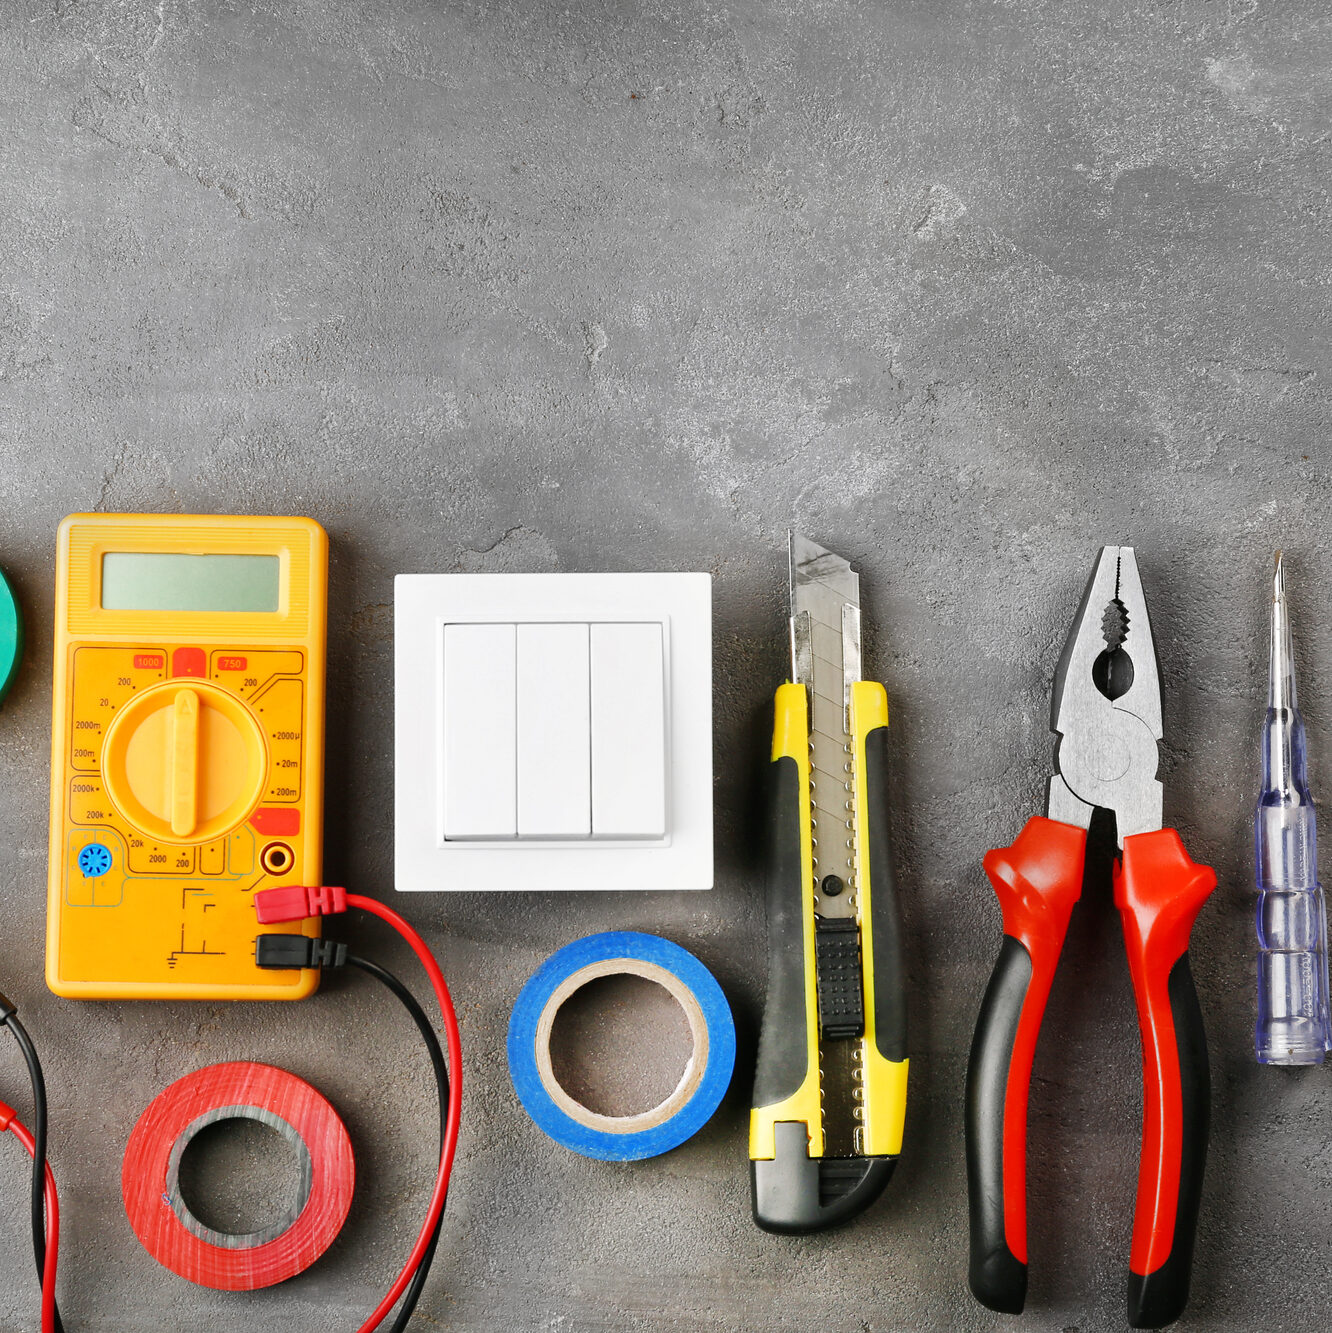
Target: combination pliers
{"x":1106,"y":713}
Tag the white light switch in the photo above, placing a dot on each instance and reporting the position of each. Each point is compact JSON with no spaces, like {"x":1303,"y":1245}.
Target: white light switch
{"x":554,"y":739}
{"x":553,"y":731}
{"x":478,"y":721}
{"x":628,"y":732}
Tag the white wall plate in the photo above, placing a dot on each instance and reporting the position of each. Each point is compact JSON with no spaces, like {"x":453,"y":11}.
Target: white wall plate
{"x":553,"y":731}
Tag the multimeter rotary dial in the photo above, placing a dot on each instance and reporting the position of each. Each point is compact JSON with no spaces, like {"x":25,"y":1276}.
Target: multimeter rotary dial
{"x":185,"y":762}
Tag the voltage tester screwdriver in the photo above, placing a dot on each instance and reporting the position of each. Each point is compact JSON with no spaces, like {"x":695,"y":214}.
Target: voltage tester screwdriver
{"x":830,"y":1087}
{"x":1292,"y":1024}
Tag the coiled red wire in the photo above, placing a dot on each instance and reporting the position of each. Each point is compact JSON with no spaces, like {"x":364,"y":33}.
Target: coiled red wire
{"x":11,"y":1122}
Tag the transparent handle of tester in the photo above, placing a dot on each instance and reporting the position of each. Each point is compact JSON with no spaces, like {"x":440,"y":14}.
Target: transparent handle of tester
{"x":1293,"y":1026}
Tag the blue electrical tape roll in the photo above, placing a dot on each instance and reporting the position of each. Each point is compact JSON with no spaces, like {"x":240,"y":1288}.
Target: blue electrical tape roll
{"x":700,"y":1090}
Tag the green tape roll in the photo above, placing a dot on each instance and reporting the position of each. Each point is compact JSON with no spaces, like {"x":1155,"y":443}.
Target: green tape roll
{"x":11,"y":635}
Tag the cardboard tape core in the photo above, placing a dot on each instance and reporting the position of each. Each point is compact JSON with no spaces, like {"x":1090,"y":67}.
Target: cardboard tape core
{"x":694,"y":1066}
{"x":230,"y":1240}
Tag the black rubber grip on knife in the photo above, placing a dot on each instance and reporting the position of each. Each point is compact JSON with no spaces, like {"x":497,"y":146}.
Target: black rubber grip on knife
{"x":783,"y":1039}
{"x":890,"y":1017}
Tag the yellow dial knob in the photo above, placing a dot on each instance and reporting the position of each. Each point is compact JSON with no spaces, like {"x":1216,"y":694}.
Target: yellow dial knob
{"x":185,"y":762}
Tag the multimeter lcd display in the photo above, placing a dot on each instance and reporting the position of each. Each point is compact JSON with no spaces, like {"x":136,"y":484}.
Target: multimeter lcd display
{"x":168,"y":581}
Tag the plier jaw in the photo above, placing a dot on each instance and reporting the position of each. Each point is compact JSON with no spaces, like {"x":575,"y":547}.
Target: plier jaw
{"x":1106,"y":705}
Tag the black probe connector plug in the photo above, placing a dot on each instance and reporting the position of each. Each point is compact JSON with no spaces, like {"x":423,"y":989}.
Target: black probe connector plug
{"x":293,"y":951}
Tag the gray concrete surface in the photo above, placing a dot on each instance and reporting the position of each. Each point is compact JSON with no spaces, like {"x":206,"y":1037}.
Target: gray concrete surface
{"x":962,"y":289}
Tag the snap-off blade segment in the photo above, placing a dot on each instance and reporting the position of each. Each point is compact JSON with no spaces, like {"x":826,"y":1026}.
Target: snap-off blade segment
{"x":826,"y":658}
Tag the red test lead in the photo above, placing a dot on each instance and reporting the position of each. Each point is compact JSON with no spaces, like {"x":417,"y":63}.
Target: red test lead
{"x":9,"y":1121}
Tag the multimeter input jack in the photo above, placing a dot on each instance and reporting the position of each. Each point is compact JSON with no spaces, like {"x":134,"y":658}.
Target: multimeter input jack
{"x":277,"y":858}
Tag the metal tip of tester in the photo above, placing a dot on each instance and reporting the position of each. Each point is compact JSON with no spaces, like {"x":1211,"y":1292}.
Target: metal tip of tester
{"x":1281,"y":663}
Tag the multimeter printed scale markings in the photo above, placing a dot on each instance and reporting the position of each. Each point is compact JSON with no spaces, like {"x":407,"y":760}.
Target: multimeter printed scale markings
{"x":250,"y":676}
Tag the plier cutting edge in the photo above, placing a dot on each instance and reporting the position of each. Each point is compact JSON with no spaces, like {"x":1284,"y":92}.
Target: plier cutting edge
{"x":1106,"y":712}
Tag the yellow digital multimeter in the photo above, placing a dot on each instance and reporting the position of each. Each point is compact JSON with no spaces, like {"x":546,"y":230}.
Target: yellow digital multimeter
{"x":187,"y":750}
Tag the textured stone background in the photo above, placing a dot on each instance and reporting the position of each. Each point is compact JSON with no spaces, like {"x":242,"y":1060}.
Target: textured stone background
{"x":961,"y":288}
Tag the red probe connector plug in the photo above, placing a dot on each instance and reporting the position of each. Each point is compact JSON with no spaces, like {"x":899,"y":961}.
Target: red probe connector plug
{"x":296,"y":902}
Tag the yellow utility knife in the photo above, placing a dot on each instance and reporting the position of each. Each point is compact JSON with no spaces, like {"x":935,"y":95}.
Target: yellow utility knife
{"x":830,"y":1088}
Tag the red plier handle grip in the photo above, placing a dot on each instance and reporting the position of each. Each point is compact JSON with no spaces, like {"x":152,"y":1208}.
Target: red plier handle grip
{"x":1159,"y":892}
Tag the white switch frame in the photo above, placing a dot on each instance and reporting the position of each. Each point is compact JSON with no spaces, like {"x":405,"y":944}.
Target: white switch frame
{"x":681,"y":604}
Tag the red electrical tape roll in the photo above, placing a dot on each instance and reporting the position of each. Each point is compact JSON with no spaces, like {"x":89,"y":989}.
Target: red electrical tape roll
{"x":176,"y":1238}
